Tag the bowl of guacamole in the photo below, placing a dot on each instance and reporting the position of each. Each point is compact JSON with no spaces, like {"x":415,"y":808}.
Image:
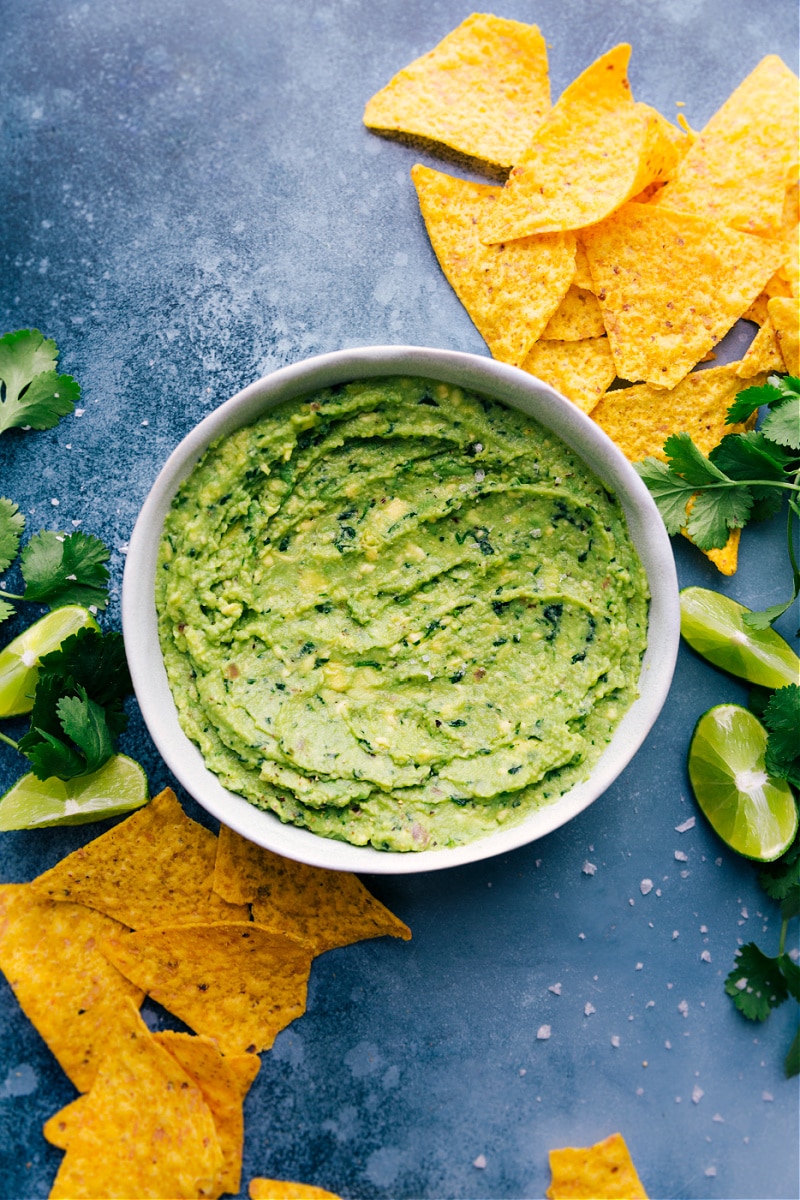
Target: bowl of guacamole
{"x":394,"y":609}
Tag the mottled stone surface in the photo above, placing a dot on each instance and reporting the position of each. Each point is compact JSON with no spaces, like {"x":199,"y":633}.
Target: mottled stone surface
{"x":189,"y":200}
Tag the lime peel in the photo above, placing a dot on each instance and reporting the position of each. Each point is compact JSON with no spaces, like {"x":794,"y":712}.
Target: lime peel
{"x":713,"y":624}
{"x":19,"y":660}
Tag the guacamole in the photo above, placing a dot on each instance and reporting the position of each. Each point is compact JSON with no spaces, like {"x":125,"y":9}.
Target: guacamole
{"x":399,"y":614}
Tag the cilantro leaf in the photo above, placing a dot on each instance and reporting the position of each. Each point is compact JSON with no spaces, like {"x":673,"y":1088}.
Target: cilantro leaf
{"x":782,"y":720}
{"x":778,"y":878}
{"x":670,"y":492}
{"x":6,"y":610}
{"x":765,"y":618}
{"x":64,"y":569}
{"x":756,"y":983}
{"x":750,"y":400}
{"x":12,"y":524}
{"x":790,"y":905}
{"x":84,"y":721}
{"x":686,"y":460}
{"x":783,"y":423}
{"x":714,"y":514}
{"x":78,"y":705}
{"x":35,"y":394}
{"x":750,"y":456}
{"x":791,"y":973}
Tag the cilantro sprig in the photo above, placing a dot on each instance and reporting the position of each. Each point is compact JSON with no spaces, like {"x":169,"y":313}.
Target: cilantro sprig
{"x":57,"y":568}
{"x":745,"y":478}
{"x":32,"y":393}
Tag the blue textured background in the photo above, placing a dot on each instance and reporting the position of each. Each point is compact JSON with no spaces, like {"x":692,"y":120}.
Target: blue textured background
{"x":189,"y":200}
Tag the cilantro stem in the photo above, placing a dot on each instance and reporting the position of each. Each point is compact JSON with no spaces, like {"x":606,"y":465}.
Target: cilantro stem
{"x":9,"y":741}
{"x":782,"y":941}
{"x":4,"y":595}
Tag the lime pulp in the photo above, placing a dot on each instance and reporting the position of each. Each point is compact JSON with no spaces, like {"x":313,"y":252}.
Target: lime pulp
{"x":753,"y":814}
{"x":118,"y":787}
{"x":19,"y":661}
{"x":713,"y":625}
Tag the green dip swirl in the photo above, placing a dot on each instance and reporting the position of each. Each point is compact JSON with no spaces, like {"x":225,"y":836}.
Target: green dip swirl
{"x":399,"y":614}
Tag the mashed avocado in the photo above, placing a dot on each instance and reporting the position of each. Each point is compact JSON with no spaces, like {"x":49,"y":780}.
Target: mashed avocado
{"x":399,"y":614}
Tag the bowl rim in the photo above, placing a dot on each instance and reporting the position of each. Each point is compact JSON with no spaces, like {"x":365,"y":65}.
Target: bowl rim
{"x":499,"y":381}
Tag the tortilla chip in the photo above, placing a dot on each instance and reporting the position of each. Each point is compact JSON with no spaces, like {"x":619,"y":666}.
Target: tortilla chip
{"x":784,"y":316}
{"x":757,"y":311}
{"x":737,"y":169}
{"x":641,"y":418}
{"x":60,"y":1128}
{"x":324,"y":908}
{"x":155,"y":868}
{"x":578,"y":316}
{"x":763,"y":353}
{"x":581,"y":371}
{"x":604,"y":1171}
{"x":281,"y":1189}
{"x":235,"y":982}
{"x":583,"y":275}
{"x":595,"y":150}
{"x":482,"y":91}
{"x":726,"y":558}
{"x":224,"y":1083}
{"x":50,"y":956}
{"x":143,"y":1130}
{"x":670,"y":285}
{"x":510,"y":291}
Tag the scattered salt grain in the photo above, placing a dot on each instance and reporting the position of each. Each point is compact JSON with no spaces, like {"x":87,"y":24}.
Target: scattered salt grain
{"x":767,"y":1096}
{"x":55,"y":503}
{"x":697,"y":1094}
{"x":705,"y":956}
{"x":720,"y":1120}
{"x":479,"y":1162}
{"x":543,"y":1033}
{"x":646,"y":886}
{"x":589,"y":868}
{"x":588,"y":1009}
{"x":555,"y":988}
{"x":675,"y":934}
{"x":683,"y":1008}
{"x":681,"y":856}
{"x":615,"y":1041}
{"x":711,"y":1172}
{"x":686,"y":825}
{"x":639,"y":966}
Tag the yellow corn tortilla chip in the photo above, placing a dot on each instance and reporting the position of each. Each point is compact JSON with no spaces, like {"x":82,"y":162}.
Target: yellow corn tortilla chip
{"x":324,"y":908}
{"x":670,"y":285}
{"x":726,"y":558}
{"x":224,"y":1083}
{"x":641,"y":418}
{"x":235,"y":982}
{"x":595,"y":150}
{"x":784,"y":316}
{"x":509,"y":291}
{"x":281,"y":1189}
{"x":482,"y":91}
{"x":578,"y":316}
{"x":763,"y":353}
{"x":604,"y":1171}
{"x":581,"y":371}
{"x":736,"y":171}
{"x":60,"y":1128}
{"x":50,"y":956}
{"x":143,"y":1130}
{"x":155,"y":868}
{"x":583,"y":275}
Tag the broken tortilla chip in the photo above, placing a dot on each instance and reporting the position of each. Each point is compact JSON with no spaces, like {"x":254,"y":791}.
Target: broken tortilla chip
{"x":143,"y":1130}
{"x":325,"y":908}
{"x":582,"y":371}
{"x":784,"y":316}
{"x":670,"y":285}
{"x":578,"y":316}
{"x":604,"y":1171}
{"x":595,"y":150}
{"x":482,"y":91}
{"x":155,"y":868}
{"x":235,"y":982}
{"x":737,"y":169}
{"x":726,"y":558}
{"x":509,"y":291}
{"x":281,"y":1189}
{"x":763,"y":353}
{"x":641,"y":418}
{"x":50,"y":956}
{"x":224,"y":1082}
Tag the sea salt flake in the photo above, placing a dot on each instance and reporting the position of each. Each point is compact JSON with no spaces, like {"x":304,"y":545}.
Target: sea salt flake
{"x":479,"y":1162}
{"x":683,"y":1008}
{"x":680,"y":856}
{"x":639,"y":966}
{"x":615,"y":1041}
{"x":675,"y":934}
{"x":555,"y":988}
{"x":720,"y":1120}
{"x":705,"y":956}
{"x":697,"y":1094}
{"x":28,"y":658}
{"x":589,"y":868}
{"x":711,"y":1172}
{"x":543,"y":1033}
{"x":588,"y":1009}
{"x":646,"y":886}
{"x":686,"y":825}
{"x":767,"y":1096}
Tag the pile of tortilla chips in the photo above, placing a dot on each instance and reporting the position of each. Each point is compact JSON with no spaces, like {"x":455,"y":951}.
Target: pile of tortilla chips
{"x":222,"y":934}
{"x":621,"y":248}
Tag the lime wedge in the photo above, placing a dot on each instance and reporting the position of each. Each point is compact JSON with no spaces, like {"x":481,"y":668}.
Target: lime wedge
{"x":712,"y":624}
{"x":19,"y":661}
{"x":119,"y":786}
{"x":754,"y":814}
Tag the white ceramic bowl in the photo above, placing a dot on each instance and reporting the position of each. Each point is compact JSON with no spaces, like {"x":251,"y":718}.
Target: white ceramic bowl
{"x":489,"y":378}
